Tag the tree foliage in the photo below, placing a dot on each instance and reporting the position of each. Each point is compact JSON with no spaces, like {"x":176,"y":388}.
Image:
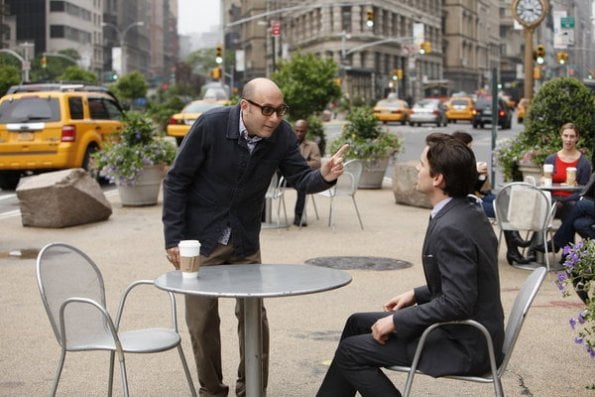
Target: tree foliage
{"x":559,"y":101}
{"x":9,"y":75}
{"x":130,"y":86}
{"x":76,"y":73}
{"x":308,"y":84}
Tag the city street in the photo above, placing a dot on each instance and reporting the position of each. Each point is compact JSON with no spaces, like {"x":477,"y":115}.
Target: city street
{"x":413,"y":142}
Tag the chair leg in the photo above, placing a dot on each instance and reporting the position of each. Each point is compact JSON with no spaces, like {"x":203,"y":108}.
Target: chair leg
{"x":330,"y":213}
{"x":357,"y":212}
{"x":187,"y":371}
{"x":314,"y":205}
{"x":58,"y":372}
{"x":123,"y":374}
{"x":110,"y":382}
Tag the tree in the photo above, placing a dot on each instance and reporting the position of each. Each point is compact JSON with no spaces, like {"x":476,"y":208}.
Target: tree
{"x":9,"y":75}
{"x":308,"y":84}
{"x":76,"y":73}
{"x":130,"y":86}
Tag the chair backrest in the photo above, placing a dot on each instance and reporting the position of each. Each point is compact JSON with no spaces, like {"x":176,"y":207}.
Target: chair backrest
{"x":519,"y":310}
{"x":65,"y":272}
{"x":521,"y":206}
{"x":348,"y":182}
{"x":276,"y":186}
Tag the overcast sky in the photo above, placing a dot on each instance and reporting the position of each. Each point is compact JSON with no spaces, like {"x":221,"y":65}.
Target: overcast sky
{"x":197,"y":15}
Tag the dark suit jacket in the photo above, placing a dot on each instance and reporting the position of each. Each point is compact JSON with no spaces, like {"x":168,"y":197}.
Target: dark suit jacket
{"x":216,"y":182}
{"x":460,"y":262}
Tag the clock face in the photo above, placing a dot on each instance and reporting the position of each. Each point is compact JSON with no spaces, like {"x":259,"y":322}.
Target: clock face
{"x":529,"y":12}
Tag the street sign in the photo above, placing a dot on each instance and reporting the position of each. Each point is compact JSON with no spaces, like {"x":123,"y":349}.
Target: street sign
{"x":567,"y":23}
{"x":276,"y":28}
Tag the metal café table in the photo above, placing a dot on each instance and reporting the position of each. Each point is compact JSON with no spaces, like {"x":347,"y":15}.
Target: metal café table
{"x":252,"y":283}
{"x":561,"y":186}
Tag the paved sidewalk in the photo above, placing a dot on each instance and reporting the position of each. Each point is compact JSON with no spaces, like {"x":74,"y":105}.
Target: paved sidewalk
{"x":304,"y":329}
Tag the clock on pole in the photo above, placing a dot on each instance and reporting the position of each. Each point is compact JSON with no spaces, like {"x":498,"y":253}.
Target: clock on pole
{"x":529,"y":13}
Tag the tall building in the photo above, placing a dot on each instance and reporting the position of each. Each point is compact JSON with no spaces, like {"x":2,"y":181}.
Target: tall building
{"x":471,"y":43}
{"x":126,"y":24}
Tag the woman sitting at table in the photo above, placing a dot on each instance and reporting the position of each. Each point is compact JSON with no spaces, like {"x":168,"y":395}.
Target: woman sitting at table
{"x":569,"y":156}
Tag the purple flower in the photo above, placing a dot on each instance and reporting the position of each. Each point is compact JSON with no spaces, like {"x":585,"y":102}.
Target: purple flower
{"x":578,"y":340}
{"x":572,"y":323}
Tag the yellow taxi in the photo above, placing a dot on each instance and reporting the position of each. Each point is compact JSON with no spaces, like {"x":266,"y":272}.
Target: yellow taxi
{"x":46,"y":127}
{"x":179,"y":124}
{"x":459,"y":108}
{"x":522,"y":109}
{"x":392,"y":110}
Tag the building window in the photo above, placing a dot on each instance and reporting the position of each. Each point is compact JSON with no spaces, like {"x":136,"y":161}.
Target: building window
{"x":56,"y":31}
{"x":346,"y":18}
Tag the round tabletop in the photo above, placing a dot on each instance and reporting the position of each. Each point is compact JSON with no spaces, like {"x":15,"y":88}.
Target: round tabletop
{"x":562,"y":186}
{"x":254,"y":280}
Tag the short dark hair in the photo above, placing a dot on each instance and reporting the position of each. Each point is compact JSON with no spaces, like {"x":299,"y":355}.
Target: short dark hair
{"x":453,"y":159}
{"x":462,"y":136}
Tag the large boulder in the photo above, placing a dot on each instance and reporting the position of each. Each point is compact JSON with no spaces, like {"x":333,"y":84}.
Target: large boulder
{"x":62,"y":198}
{"x":404,"y":181}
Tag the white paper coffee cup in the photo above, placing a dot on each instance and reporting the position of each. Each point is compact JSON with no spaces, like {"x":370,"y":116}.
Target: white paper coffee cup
{"x":189,"y":247}
{"x":189,"y":257}
{"x":548,"y":168}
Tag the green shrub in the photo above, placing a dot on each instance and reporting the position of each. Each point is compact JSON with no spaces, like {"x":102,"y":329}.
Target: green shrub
{"x":366,"y":138}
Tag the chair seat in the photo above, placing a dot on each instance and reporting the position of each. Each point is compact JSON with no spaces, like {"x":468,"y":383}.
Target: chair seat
{"x":150,"y":340}
{"x":487,"y":378}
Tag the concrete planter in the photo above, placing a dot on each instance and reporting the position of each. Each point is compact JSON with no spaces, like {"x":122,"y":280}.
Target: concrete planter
{"x":146,"y":189}
{"x":373,"y":173}
{"x":530,"y":169}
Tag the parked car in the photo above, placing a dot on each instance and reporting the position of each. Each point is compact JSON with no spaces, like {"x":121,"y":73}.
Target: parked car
{"x":483,"y":113}
{"x":428,"y":110}
{"x":522,"y":109}
{"x":459,"y":108}
{"x":179,"y":124}
{"x":45,"y":127}
{"x":392,"y":110}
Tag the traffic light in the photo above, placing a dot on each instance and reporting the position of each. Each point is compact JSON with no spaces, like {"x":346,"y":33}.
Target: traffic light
{"x":562,"y":57}
{"x":43,"y":61}
{"x":370,"y":18}
{"x":425,"y":47}
{"x":219,"y":54}
{"x":540,"y":52}
{"x":397,"y":74}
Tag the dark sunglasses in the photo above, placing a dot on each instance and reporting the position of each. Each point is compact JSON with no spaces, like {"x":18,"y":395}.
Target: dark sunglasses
{"x":267,"y":110}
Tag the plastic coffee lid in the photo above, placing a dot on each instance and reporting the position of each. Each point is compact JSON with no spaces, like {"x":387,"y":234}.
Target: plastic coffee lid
{"x":188,"y":243}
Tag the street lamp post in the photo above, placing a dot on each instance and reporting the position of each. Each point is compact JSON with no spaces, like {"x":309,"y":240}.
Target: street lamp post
{"x":122,"y":39}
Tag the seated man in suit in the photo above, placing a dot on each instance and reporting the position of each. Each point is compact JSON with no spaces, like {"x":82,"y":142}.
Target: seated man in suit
{"x":460,"y":264}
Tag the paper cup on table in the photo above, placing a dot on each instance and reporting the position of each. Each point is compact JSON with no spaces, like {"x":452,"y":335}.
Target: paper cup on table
{"x":189,"y":257}
{"x":548,"y":168}
{"x":571,"y":176}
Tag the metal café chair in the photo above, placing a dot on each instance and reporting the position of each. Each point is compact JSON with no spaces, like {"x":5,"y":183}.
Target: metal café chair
{"x":72,"y":291}
{"x":517,"y":315}
{"x":523,"y":207}
{"x":276,"y":191}
{"x":346,"y":185}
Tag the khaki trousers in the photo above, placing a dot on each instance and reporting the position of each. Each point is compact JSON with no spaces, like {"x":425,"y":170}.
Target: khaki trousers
{"x":202,"y":318}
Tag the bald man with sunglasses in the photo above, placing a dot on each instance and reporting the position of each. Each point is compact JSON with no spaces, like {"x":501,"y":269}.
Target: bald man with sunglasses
{"x":215,"y":192}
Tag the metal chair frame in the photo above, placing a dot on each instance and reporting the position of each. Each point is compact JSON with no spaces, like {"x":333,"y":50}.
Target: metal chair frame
{"x":276,"y":191}
{"x":347,"y":185}
{"x":92,"y":303}
{"x":517,"y":315}
{"x":502,"y":203}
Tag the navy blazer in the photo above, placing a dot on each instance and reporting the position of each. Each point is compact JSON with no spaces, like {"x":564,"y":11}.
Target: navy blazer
{"x":460,"y":261}
{"x":216,"y":182}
